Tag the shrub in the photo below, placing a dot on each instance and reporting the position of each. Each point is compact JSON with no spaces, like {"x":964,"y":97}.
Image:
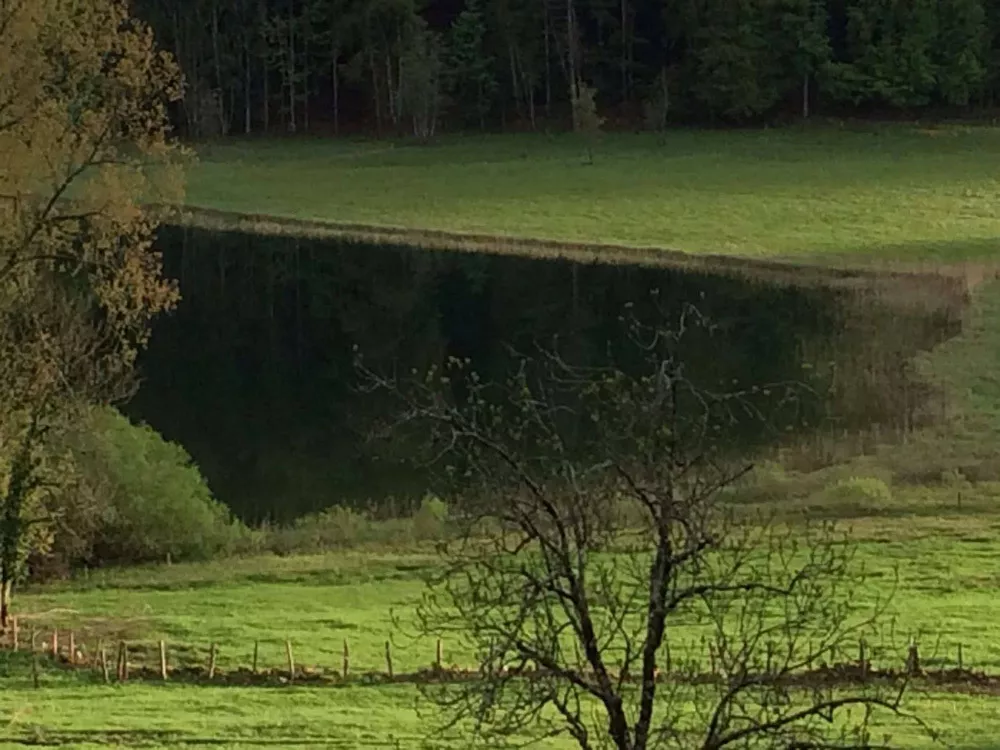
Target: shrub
{"x":340,"y":527}
{"x":429,"y":521}
{"x":866,"y":495}
{"x":137,"y":498}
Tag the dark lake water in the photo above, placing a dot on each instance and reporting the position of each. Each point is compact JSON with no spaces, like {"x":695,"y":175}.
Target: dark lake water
{"x":254,"y":374}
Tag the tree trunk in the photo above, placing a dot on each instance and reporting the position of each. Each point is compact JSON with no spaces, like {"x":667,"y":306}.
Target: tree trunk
{"x":571,"y":53}
{"x":625,"y":46}
{"x":514,"y":79}
{"x":217,"y":57}
{"x":376,"y":94}
{"x":266,"y":101}
{"x":247,"y":86}
{"x":19,"y":484}
{"x":5,"y":590}
{"x":305,"y":79}
{"x":336,"y":91}
{"x":548,"y":68}
{"x":290,"y":67}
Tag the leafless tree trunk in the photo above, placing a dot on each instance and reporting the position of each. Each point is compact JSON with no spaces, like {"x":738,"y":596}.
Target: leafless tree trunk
{"x":591,"y":502}
{"x":247,"y":86}
{"x":335,"y":73}
{"x":217,"y":60}
{"x":290,"y":67}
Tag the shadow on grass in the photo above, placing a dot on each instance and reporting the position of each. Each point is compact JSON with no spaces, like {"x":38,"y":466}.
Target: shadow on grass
{"x":161,"y":579}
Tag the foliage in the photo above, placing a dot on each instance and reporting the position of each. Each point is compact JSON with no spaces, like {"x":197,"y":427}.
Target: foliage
{"x":586,"y":121}
{"x":84,"y":143}
{"x":148,"y":501}
{"x":273,"y":64}
{"x":343,"y":528}
{"x":471,"y":69}
{"x":657,"y":105}
{"x":912,"y":55}
{"x":420,"y":85}
{"x":867,"y":493}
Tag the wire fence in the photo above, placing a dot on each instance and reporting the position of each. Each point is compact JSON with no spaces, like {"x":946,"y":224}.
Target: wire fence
{"x":122,"y":661}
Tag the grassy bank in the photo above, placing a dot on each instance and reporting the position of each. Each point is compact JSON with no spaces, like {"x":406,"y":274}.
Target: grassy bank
{"x":944,"y":555}
{"x":885,"y":193}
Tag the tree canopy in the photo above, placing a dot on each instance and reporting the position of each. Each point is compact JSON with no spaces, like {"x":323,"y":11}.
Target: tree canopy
{"x":285,"y":65}
{"x":84,"y":146}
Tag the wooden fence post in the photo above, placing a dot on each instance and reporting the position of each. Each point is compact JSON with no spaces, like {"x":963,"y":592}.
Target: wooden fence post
{"x":55,"y":643}
{"x":163,"y":660}
{"x":347,"y":659}
{"x":960,"y":665}
{"x":862,"y":661}
{"x":388,"y":658}
{"x":122,"y":661}
{"x":72,"y":648}
{"x":256,"y":652}
{"x":913,"y":658}
{"x":105,"y":669}
{"x":15,"y":634}
{"x":291,"y":660}
{"x":438,"y":656}
{"x":211,"y":661}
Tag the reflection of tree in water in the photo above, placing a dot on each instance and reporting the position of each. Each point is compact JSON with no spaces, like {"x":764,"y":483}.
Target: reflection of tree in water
{"x":254,"y":373}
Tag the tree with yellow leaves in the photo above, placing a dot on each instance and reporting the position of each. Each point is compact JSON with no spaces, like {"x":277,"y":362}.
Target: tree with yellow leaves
{"x":85,"y":150}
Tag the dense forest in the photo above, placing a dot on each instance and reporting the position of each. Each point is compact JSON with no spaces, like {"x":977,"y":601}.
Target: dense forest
{"x":417,"y":66}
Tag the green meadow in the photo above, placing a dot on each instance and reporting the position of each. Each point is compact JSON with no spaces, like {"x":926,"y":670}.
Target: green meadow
{"x":872,"y":194}
{"x":835,"y":194}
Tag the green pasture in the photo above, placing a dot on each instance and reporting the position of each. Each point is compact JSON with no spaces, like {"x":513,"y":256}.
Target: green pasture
{"x":71,"y":714}
{"x":894,"y":193}
{"x":946,"y":594}
{"x":888,"y":193}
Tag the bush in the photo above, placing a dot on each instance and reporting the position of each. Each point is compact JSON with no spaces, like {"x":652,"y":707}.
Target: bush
{"x":429,"y":521}
{"x":339,"y":527}
{"x":138,"y":498}
{"x":865,"y":495}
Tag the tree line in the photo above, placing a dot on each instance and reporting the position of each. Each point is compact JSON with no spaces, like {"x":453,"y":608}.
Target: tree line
{"x":395,"y":66}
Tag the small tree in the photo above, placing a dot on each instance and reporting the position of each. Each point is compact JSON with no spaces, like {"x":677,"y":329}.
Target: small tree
{"x":84,"y":144}
{"x":586,"y":121}
{"x":604,"y":584}
{"x":421,"y":80}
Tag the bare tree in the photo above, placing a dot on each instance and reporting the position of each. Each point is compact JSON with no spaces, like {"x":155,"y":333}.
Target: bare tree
{"x":606,"y":586}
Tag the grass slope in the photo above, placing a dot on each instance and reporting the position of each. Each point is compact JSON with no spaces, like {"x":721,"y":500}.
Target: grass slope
{"x":896,"y":193}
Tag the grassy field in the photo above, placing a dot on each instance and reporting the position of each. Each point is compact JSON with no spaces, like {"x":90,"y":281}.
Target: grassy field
{"x":947,"y":591}
{"x":943,"y":547}
{"x":891,"y":193}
